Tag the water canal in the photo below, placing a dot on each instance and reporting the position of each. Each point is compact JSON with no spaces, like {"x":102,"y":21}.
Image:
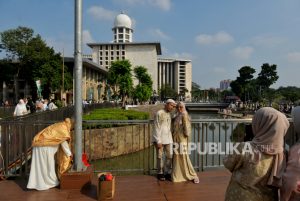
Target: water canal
{"x":206,"y":128}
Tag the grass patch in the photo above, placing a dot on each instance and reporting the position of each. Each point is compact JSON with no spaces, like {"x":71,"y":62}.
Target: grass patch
{"x":113,"y":114}
{"x":116,"y":114}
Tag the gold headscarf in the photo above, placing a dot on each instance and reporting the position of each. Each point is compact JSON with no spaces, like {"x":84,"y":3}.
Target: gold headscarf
{"x":54,"y":135}
{"x":269,"y":128}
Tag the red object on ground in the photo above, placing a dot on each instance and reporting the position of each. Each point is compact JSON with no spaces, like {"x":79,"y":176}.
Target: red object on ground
{"x":108,"y":177}
{"x":85,"y":160}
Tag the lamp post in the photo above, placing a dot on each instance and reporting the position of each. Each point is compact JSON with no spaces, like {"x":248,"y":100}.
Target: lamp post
{"x":78,"y":79}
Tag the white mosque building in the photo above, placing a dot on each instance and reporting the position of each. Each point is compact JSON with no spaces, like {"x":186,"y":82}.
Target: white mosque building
{"x":175,"y":72}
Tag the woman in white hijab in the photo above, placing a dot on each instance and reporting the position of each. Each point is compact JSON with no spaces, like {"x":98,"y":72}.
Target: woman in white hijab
{"x":20,"y":108}
{"x":291,"y":176}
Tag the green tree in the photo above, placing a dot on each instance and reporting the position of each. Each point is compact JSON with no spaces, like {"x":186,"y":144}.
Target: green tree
{"x":119,"y":76}
{"x":143,"y":90}
{"x":166,"y":91}
{"x":271,"y":95}
{"x":290,"y":93}
{"x":196,"y":91}
{"x":36,"y":61}
{"x":15,"y":42}
{"x":241,"y":86}
{"x":142,"y":75}
{"x":266,"y":77}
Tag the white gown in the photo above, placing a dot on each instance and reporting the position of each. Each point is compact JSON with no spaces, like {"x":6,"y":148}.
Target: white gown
{"x":42,"y":172}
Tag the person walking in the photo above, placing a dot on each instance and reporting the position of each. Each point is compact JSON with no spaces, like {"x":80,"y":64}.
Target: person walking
{"x":183,"y":169}
{"x":20,"y":108}
{"x":162,"y":139}
{"x":257,"y":166}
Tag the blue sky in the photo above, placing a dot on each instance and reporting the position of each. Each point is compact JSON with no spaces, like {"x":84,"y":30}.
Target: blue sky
{"x":219,"y":36}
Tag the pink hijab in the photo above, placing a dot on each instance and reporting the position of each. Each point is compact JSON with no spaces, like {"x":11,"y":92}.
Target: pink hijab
{"x":291,"y":175}
{"x":269,"y":128}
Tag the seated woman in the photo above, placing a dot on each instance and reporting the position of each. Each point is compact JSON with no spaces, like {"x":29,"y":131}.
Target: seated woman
{"x":182,"y":167}
{"x":52,"y":140}
{"x":289,"y":190}
{"x":257,"y":174}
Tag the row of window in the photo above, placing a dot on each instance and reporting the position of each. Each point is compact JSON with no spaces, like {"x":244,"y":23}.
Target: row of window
{"x":106,"y":62}
{"x":111,"y":58}
{"x":120,"y":30}
{"x":112,"y":47}
{"x":121,"y":36}
{"x":111,"y":53}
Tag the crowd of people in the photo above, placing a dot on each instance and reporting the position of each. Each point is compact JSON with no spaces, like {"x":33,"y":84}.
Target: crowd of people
{"x":26,"y":106}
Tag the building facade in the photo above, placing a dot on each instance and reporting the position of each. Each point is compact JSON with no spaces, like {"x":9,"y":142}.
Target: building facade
{"x":175,"y":72}
{"x":139,"y":54}
{"x":225,"y":84}
{"x":93,"y":80}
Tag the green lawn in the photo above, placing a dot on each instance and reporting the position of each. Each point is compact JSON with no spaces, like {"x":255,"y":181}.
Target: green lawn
{"x":115,"y":114}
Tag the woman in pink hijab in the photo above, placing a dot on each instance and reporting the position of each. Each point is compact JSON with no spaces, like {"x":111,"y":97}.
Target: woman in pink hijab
{"x":291,"y":177}
{"x":257,"y":176}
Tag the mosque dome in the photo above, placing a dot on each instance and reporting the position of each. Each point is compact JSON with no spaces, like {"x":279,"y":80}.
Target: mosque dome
{"x":122,"y":20}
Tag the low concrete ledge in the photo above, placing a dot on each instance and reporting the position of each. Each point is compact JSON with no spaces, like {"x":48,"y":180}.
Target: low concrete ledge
{"x":76,"y":180}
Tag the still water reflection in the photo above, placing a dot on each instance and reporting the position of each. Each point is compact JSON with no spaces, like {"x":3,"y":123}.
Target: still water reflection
{"x":200,"y":115}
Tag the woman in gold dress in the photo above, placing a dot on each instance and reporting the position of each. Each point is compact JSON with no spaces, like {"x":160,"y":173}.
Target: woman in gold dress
{"x":182,"y":167}
{"x":257,"y":172}
{"x":53,"y":140}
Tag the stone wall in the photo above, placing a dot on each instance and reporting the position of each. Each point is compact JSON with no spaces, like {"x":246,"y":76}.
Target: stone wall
{"x":110,"y":142}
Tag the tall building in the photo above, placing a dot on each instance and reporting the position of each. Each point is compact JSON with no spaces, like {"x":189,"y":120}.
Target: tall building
{"x":175,"y":72}
{"x":225,"y":84}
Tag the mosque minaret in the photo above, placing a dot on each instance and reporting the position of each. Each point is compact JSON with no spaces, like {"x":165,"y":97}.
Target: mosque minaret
{"x":122,"y":29}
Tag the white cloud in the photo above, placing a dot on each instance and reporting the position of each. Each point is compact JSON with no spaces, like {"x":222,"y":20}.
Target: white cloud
{"x":183,"y":55}
{"x":160,"y":34}
{"x":219,"y":38}
{"x":133,"y":1}
{"x":87,"y":37}
{"x":162,"y":4}
{"x":62,"y":44}
{"x":293,"y":57}
{"x":101,"y":13}
{"x":242,"y":52}
{"x":130,"y":2}
{"x":164,"y":50}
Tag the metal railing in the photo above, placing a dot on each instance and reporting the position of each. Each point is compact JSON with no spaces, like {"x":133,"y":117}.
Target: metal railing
{"x":6,"y":111}
{"x":105,"y":145}
{"x":16,"y":134}
{"x":124,"y":147}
